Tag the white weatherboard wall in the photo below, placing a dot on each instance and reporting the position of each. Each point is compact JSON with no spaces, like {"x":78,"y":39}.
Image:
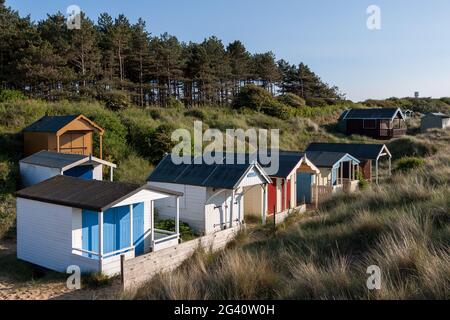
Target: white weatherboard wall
{"x":44,"y":234}
{"x":32,"y":174}
{"x":97,"y":173}
{"x":192,"y":204}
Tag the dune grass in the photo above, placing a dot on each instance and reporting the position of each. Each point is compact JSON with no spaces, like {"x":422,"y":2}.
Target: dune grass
{"x":403,"y":227}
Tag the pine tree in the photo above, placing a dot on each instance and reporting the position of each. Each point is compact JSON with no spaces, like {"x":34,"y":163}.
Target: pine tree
{"x":139,"y":57}
{"x":84,"y":53}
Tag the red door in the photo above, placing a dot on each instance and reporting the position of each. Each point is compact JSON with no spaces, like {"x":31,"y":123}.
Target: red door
{"x":272,"y":196}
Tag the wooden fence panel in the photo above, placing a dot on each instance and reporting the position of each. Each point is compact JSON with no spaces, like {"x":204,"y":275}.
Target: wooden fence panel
{"x":138,"y":270}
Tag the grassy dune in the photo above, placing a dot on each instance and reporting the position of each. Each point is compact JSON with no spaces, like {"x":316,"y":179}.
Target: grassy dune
{"x":403,"y":226}
{"x":126,"y":139}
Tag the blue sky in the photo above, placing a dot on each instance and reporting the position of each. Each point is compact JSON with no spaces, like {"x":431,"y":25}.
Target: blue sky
{"x":410,"y":53}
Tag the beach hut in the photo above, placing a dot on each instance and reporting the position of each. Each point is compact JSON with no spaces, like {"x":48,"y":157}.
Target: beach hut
{"x":434,"y":120}
{"x":379,"y":123}
{"x":46,"y":164}
{"x":216,"y":196}
{"x":286,"y":191}
{"x":67,"y":221}
{"x":337,"y":172}
{"x":66,"y":134}
{"x":368,"y":154}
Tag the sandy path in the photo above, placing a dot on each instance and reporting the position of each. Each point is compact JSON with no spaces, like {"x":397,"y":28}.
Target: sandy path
{"x":48,"y":289}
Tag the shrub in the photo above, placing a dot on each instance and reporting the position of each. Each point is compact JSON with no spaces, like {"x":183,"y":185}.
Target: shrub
{"x":4,"y":171}
{"x":11,"y":95}
{"x":133,"y":169}
{"x":277,"y":109}
{"x":159,"y":143}
{"x":363,"y":183}
{"x":292,"y":100}
{"x":186,"y":232}
{"x":408,"y":163}
{"x":252,"y":97}
{"x":96,"y":280}
{"x":196,"y":113}
{"x":173,"y":102}
{"x":116,"y":99}
{"x":410,"y":146}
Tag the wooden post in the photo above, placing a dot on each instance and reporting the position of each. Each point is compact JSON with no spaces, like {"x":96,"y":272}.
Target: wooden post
{"x":57,"y":143}
{"x":122,"y":260}
{"x":376,"y":171}
{"x":177,"y":217}
{"x":101,"y":146}
{"x":274,"y":216}
{"x":131,"y":226}
{"x":341,"y":166}
{"x":111,"y":173}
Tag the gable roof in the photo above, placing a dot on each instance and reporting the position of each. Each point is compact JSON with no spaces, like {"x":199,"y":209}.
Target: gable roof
{"x":220,"y":176}
{"x":62,"y":161}
{"x":50,"y":123}
{"x":358,"y":150}
{"x":56,"y":123}
{"x":371,"y":113}
{"x":287,"y":160}
{"x":437,"y":114}
{"x":328,"y":159}
{"x":84,"y":194}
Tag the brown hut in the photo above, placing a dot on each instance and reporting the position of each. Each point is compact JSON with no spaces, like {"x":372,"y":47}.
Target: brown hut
{"x":66,"y":134}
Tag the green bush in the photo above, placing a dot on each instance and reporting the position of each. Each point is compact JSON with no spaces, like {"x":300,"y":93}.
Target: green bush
{"x":186,"y":233}
{"x":292,"y":100}
{"x":116,"y":99}
{"x":159,"y":142}
{"x":4,"y":171}
{"x":252,"y":97}
{"x":11,"y":95}
{"x":409,"y":163}
{"x":363,"y":183}
{"x":133,"y":169}
{"x":258,"y":99}
{"x":173,"y":102}
{"x":410,"y":146}
{"x":196,"y":113}
{"x":277,"y":109}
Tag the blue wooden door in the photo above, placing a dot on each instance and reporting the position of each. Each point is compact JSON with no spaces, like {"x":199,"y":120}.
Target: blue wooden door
{"x":304,"y":182}
{"x":116,"y":229}
{"x":138,"y":228}
{"x":83,"y":172}
{"x":89,"y":233}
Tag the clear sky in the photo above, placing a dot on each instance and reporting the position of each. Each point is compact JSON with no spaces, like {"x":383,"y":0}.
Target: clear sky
{"x":410,"y":53}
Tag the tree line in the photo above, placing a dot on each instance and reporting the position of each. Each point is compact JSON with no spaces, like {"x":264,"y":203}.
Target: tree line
{"x":120,"y":62}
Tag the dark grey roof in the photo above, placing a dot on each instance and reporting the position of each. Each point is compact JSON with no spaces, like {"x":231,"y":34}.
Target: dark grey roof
{"x":52,"y":159}
{"x":50,"y":123}
{"x":287,"y":162}
{"x":84,"y":194}
{"x":358,"y":150}
{"x":438,"y":114}
{"x":223,"y":176}
{"x":371,"y":113}
{"x":324,"y":158}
